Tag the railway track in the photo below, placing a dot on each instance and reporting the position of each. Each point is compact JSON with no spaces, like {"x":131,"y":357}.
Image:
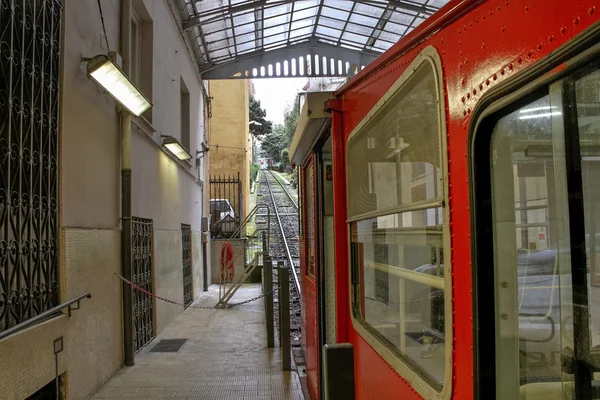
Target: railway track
{"x":284,"y":245}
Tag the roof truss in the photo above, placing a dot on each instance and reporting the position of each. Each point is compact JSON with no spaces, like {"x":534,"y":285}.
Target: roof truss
{"x":248,"y":38}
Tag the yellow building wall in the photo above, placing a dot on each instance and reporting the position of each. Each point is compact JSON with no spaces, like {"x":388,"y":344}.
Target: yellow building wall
{"x":230,"y":150}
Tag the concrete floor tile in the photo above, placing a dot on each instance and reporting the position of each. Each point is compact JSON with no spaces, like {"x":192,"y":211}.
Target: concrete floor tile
{"x":225,"y":357}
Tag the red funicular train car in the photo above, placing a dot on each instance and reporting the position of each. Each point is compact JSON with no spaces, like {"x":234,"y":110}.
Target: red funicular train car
{"x":451,"y":209}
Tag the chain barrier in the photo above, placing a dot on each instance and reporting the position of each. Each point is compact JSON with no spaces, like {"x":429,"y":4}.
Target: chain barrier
{"x":133,"y":285}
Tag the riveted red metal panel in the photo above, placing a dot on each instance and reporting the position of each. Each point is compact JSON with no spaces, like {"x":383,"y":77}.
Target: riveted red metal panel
{"x":480,"y":48}
{"x":339,"y":214}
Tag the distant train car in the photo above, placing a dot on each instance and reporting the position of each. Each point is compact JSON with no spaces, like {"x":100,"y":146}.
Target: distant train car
{"x":450,"y":209}
{"x":265,"y":163}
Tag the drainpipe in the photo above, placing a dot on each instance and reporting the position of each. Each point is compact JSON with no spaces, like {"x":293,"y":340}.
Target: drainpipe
{"x":126,"y":240}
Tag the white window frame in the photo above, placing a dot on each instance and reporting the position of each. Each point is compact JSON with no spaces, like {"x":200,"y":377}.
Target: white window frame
{"x":398,"y":363}
{"x":135,"y":73}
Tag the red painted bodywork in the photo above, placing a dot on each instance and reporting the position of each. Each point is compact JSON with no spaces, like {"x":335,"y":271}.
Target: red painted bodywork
{"x":481,"y":44}
{"x":310,"y":329}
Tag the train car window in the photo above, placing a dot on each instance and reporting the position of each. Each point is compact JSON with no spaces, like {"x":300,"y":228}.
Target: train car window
{"x":547,"y":324}
{"x":395,"y":205}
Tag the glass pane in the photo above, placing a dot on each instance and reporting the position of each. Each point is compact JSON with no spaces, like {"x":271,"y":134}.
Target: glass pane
{"x":588,"y":113}
{"x":399,"y":259}
{"x":404,"y":134}
{"x":532,"y":264}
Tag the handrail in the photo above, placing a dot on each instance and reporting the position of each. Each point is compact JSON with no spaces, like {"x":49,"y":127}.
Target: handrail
{"x":45,"y":314}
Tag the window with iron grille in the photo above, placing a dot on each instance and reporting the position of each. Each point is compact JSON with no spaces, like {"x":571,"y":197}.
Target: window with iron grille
{"x":30,"y":44}
{"x":186,"y":243}
{"x":143,"y":304}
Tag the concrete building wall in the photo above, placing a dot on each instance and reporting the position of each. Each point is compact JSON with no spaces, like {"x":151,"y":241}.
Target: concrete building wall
{"x":166,"y":190}
{"x":229,"y":133}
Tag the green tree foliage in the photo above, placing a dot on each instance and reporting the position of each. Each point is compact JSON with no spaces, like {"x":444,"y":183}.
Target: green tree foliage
{"x":258,"y":114}
{"x":274,"y":142}
{"x":253,"y":172}
{"x":277,"y":143}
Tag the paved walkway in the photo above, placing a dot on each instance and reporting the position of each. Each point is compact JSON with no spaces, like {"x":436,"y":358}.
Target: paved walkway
{"x":225,"y":357}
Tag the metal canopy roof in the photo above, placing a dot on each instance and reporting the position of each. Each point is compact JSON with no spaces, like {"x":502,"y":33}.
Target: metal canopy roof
{"x":268,"y":38}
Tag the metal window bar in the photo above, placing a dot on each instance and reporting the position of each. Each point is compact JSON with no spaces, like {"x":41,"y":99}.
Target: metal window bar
{"x":142,"y":275}
{"x":29,"y":108}
{"x":186,"y":247}
{"x":225,"y":200}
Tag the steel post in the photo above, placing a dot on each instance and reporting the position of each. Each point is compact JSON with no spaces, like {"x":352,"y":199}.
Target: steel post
{"x":284,"y":322}
{"x":268,"y":276}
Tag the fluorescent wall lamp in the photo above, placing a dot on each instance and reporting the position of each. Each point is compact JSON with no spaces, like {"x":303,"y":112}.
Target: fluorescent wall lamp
{"x":174,"y":147}
{"x":108,"y":75}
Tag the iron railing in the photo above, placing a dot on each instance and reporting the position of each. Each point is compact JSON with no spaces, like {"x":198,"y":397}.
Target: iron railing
{"x":225,"y":206}
{"x":46,"y":315}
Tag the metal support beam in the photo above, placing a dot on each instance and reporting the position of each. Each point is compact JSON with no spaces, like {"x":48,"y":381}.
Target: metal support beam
{"x":383,"y":20}
{"x":238,"y":68}
{"x":404,"y":5}
{"x":258,"y":28}
{"x":210,"y":15}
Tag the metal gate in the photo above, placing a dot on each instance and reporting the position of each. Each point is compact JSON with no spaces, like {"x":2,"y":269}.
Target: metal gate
{"x":225,"y":205}
{"x":186,"y":242}
{"x":30,"y":38}
{"x":143,"y":304}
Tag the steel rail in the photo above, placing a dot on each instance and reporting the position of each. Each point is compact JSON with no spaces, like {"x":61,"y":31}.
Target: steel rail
{"x":285,"y":243}
{"x":284,"y":189}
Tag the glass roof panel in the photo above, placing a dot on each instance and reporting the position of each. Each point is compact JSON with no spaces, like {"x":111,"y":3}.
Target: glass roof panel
{"x":380,"y":44}
{"x":307,"y":12}
{"x":360,"y":29}
{"x":303,"y":23}
{"x":369,"y":10}
{"x":402,"y":18}
{"x":344,"y":5}
{"x":278,"y":10}
{"x":334,"y":13}
{"x":270,"y":39}
{"x":360,"y":19}
{"x":364,"y":26}
{"x":281,"y":30}
{"x":245,"y":47}
{"x":357,"y":39}
{"x":334,"y":33}
{"x":276,"y":20}
{"x":300,"y":5}
{"x":331,"y":23}
{"x":301,"y":32}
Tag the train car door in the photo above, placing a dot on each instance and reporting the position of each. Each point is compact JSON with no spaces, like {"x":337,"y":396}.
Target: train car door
{"x":309,"y":289}
{"x":319,"y":287}
{"x":325,"y":253}
{"x":541,"y":301}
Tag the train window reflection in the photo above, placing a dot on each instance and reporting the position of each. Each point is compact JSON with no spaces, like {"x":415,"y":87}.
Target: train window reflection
{"x":528,"y":190}
{"x":588,"y":118}
{"x":536,"y":317}
{"x":397,"y":147}
{"x":399,"y":260}
{"x":395,"y":170}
